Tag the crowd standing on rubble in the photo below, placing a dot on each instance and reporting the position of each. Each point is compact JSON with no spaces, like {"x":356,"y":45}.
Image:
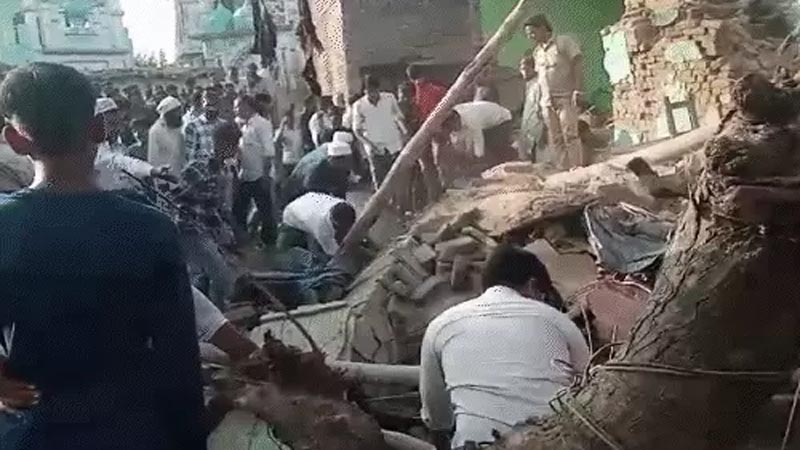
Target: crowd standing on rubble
{"x":102,"y":329}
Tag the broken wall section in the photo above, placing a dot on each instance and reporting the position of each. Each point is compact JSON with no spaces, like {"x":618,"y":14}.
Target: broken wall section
{"x":689,"y":51}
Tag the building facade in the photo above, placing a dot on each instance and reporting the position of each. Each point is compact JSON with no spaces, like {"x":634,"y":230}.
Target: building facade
{"x":86,"y":34}
{"x":673,"y":63}
{"x":383,"y":36}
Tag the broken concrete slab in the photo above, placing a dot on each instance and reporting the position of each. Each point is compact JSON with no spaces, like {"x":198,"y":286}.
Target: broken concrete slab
{"x":447,"y":250}
{"x":428,"y":286}
{"x":404,"y":253}
{"x":461,"y":268}
{"x":451,"y":229}
{"x":424,"y":254}
{"x":407,"y":275}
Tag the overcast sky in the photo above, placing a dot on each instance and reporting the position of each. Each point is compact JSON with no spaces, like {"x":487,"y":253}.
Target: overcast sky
{"x":151,"y":24}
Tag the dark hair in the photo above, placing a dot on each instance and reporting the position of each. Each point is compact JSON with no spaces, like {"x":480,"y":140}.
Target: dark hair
{"x":252,"y":103}
{"x":227,"y":132}
{"x":539,"y":21}
{"x":372,"y":82}
{"x":55,"y":103}
{"x":343,"y":216}
{"x":263,"y":98}
{"x":325,"y":102}
{"x":123,"y":104}
{"x":512,"y":266}
{"x":414,"y":71}
{"x":326,"y":136}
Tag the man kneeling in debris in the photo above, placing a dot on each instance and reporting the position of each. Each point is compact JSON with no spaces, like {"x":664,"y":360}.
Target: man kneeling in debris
{"x":314,"y":221}
{"x":499,"y":359}
{"x":481,"y":133}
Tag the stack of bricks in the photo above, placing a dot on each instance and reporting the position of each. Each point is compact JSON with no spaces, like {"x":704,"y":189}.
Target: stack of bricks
{"x":451,"y":258}
{"x":681,"y":49}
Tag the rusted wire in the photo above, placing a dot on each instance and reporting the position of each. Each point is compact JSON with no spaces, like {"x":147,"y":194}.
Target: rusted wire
{"x":585,"y":420}
{"x":273,"y":300}
{"x":665,"y":369}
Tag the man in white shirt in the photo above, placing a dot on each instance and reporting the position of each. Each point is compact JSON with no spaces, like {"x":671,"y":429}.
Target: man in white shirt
{"x":321,"y":120}
{"x":111,"y":162}
{"x":318,"y":219}
{"x":378,"y":124}
{"x":499,"y":359}
{"x":480,"y":134}
{"x":165,"y":140}
{"x":257,"y":152}
{"x":559,"y":64}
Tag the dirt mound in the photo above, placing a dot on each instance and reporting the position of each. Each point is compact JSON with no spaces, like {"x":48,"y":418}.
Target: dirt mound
{"x":308,"y":403}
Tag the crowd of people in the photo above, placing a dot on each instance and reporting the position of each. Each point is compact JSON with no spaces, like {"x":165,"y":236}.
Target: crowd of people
{"x":120,"y":255}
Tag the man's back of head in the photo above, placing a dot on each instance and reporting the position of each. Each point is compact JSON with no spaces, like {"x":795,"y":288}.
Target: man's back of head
{"x":519,"y":269}
{"x":50,"y":105}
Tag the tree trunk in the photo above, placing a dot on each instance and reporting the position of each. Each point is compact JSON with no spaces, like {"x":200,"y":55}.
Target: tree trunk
{"x":727,"y":299}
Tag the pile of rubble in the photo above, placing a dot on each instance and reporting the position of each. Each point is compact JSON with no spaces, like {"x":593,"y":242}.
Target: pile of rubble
{"x":419,"y":276}
{"x":453,"y":256}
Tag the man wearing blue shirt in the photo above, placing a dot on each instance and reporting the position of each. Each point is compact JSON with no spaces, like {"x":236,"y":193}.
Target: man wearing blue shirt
{"x":104,"y":328}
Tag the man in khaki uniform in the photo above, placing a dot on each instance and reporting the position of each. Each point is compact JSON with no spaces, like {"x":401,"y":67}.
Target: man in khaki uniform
{"x":559,"y":64}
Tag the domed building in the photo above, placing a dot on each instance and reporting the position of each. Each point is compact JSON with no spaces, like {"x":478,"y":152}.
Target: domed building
{"x":87,"y":34}
{"x":213,"y":33}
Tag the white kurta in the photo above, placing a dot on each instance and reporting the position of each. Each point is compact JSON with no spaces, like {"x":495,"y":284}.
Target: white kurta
{"x":311,"y":213}
{"x":165,"y":147}
{"x":477,"y":117}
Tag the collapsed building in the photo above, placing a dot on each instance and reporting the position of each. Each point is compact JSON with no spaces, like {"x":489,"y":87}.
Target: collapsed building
{"x":673,"y":63}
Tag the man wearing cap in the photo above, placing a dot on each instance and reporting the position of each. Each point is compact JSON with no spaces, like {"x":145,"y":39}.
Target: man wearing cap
{"x":112,"y":166}
{"x":165,"y":143}
{"x":326,"y":169}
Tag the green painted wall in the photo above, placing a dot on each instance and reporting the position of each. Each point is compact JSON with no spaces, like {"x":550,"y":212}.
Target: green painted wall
{"x":582,"y":19}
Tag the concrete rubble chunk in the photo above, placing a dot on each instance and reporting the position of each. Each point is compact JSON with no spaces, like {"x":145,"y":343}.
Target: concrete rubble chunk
{"x":407,"y":275}
{"x":461,"y":245}
{"x":424,"y":254}
{"x":451,"y":229}
{"x":461,"y":269}
{"x":443,"y":268}
{"x":428,"y":286}
{"x":479,"y":236}
{"x":404,"y":253}
{"x":400,"y":288}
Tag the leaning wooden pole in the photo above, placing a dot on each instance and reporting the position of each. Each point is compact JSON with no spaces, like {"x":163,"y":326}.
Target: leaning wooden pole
{"x":722,"y":330}
{"x":414,"y":148}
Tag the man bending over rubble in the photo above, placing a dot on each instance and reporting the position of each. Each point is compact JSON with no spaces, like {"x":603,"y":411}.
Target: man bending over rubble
{"x":104,"y":333}
{"x":314,"y":221}
{"x":492,"y":362}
